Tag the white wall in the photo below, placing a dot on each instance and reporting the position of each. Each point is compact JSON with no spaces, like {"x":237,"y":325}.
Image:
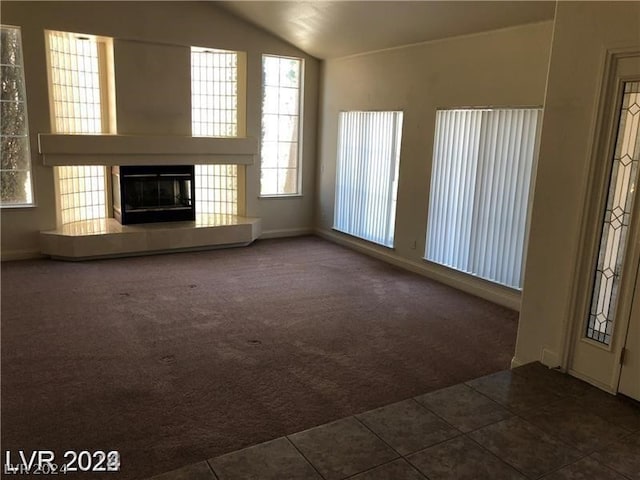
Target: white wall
{"x":584,"y":31}
{"x":164,"y":24}
{"x":499,"y":68}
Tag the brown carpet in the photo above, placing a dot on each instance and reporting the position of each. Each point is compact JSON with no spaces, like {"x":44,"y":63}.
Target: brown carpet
{"x":173,"y":359}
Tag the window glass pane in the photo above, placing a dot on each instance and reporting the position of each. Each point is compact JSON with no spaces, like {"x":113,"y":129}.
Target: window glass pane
{"x":269,"y":181}
{"x":280,"y":124}
{"x":12,"y":84}
{"x":622,"y":186}
{"x":287,"y":128}
{"x":269,"y":155}
{"x":271,"y":70}
{"x":289,"y":73}
{"x":16,"y":187}
{"x":367,"y":169}
{"x":14,"y":117}
{"x":15,"y":155}
{"x":270,"y":127}
{"x":288,"y":101}
{"x":14,"y":152}
{"x":271,"y":103}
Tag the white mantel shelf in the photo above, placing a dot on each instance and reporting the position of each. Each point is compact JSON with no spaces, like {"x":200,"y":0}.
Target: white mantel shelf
{"x":57,"y":150}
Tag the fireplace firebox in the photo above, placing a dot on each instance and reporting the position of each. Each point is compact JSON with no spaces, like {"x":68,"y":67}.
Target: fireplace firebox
{"x":146,"y":194}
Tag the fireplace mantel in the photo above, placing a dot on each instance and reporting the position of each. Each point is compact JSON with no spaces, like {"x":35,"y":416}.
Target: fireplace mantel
{"x":111,"y":150}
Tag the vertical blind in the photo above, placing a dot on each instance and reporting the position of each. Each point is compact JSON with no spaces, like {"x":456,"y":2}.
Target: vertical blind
{"x":480,"y":188}
{"x":367,"y":174}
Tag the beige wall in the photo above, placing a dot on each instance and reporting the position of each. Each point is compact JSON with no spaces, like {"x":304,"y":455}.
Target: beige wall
{"x":500,"y":68}
{"x":164,"y":24}
{"x":584,"y":31}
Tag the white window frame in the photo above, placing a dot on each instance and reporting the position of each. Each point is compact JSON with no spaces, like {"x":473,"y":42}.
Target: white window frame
{"x":22,"y":93}
{"x":299,"y":139}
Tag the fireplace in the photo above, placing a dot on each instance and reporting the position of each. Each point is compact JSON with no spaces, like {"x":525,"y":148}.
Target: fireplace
{"x":146,"y":194}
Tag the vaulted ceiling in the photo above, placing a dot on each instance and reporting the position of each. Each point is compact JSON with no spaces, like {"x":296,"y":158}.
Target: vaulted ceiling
{"x":330,"y":29}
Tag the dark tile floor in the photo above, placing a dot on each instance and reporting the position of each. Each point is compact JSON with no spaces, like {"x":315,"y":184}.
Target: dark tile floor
{"x":526,"y":423}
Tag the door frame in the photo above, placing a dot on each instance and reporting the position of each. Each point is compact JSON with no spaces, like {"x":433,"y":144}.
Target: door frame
{"x":619,"y":66}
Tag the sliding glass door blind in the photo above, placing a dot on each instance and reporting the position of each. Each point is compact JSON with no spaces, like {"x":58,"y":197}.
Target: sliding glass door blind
{"x":367,"y":174}
{"x":483,"y":163}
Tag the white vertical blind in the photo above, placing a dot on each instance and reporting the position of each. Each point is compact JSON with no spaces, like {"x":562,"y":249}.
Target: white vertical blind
{"x":480,"y":184}
{"x":367,"y":175}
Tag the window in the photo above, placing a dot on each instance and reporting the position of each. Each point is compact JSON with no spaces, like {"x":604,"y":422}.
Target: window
{"x":15,"y":171}
{"x":215,"y":112}
{"x":79,"y":105}
{"x":217,"y":189}
{"x":367,"y":175}
{"x":483,"y":162}
{"x":617,"y":216}
{"x":281,"y":125}
{"x":214,"y":93}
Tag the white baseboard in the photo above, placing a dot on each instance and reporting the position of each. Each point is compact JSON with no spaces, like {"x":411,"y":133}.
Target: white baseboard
{"x":10,"y":255}
{"x":477,"y":287}
{"x":515,"y":362}
{"x":595,"y":383}
{"x":286,"y":232}
{"x":550,"y":359}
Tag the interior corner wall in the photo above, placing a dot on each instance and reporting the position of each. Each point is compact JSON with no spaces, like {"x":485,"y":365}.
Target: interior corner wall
{"x":164,"y":25}
{"x":583,"y":33}
{"x":499,"y":68}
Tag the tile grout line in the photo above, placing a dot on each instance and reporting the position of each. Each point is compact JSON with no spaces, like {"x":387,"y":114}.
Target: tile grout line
{"x":555,"y":437}
{"x":502,"y":460}
{"x":609,"y":467}
{"x":215,"y":475}
{"x":303,"y":455}
{"x":382,"y":465}
{"x":405,"y":456}
{"x":564,"y":443}
{"x":375,"y":434}
{"x":440,"y":417}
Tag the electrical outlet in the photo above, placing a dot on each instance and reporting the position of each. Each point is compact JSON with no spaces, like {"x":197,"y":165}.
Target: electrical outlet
{"x":413,"y":245}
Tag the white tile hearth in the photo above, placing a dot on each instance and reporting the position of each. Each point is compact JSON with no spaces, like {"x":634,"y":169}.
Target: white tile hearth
{"x":108,"y":238}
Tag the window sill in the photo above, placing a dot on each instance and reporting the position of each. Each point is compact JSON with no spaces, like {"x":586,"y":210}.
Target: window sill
{"x":17,"y":207}
{"x":283,"y":196}
{"x":362,"y":239}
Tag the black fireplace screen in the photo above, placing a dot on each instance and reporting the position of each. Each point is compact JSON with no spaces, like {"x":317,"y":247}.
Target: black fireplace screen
{"x":144,"y":194}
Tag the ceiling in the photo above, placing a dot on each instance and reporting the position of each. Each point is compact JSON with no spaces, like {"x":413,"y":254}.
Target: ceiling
{"x":330,"y":29}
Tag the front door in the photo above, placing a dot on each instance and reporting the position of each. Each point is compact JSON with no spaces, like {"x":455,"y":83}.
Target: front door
{"x":605,"y":345}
